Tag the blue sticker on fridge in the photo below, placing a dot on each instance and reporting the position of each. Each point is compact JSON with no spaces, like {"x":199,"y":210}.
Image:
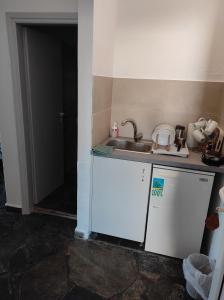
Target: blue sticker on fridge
{"x":157,"y":187}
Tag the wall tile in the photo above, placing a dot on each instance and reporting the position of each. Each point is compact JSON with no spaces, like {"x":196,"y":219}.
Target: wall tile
{"x":101,"y":126}
{"x":102,"y":93}
{"x":151,"y":102}
{"x":102,"y":101}
{"x":222,"y":111}
{"x":147,"y":119}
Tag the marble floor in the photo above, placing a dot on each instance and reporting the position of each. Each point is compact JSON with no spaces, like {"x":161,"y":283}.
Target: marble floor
{"x":41,"y":260}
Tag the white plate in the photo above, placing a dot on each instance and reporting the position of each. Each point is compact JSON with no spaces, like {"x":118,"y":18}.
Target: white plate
{"x":164,"y":132}
{"x":166,"y":126}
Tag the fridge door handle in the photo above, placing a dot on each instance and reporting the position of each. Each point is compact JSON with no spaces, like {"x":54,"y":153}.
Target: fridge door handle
{"x":203,"y":179}
{"x":165,"y":175}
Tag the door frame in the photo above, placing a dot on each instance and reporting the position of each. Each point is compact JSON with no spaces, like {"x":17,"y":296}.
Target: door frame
{"x":25,"y":157}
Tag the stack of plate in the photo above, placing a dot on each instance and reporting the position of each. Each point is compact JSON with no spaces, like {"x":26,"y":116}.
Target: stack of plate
{"x":164,"y":135}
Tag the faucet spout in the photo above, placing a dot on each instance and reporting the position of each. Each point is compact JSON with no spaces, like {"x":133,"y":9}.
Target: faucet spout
{"x":137,"y":136}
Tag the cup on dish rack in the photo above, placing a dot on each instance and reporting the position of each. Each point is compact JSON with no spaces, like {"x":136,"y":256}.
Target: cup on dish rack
{"x":200,"y":123}
{"x":199,"y":136}
{"x":211,"y":126}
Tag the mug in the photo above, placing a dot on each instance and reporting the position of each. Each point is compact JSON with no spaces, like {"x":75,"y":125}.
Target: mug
{"x":191,"y":142}
{"x":211,"y":126}
{"x":200,"y":123}
{"x":199,"y":136}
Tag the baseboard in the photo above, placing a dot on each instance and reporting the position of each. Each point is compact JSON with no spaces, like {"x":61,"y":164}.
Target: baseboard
{"x":13,"y":209}
{"x":81,"y":234}
{"x":52,"y":212}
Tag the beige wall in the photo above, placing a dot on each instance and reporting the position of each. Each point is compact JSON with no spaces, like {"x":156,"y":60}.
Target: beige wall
{"x":102,"y":101}
{"x":151,"y":102}
{"x":222,"y":112}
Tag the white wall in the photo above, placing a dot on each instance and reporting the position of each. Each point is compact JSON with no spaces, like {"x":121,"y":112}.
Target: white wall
{"x":7,"y":109}
{"x":85,"y":85}
{"x":215,"y":237}
{"x":105,"y":19}
{"x":170,"y":39}
{"x":218,"y":274}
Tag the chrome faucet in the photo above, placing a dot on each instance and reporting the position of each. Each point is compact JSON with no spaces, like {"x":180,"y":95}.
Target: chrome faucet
{"x":137,"y":136}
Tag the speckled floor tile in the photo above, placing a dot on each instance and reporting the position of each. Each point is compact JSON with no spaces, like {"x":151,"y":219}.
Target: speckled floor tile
{"x":40,"y":260}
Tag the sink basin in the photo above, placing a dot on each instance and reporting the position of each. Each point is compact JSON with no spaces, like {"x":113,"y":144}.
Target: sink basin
{"x":126,"y":145}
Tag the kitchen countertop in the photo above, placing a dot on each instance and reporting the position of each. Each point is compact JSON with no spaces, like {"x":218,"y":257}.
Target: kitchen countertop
{"x":192,"y":162}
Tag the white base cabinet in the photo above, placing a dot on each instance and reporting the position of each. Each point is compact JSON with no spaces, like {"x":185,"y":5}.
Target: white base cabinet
{"x":120,"y":197}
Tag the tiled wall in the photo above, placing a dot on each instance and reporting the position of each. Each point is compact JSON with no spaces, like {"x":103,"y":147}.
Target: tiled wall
{"x":222,"y":112}
{"x":102,"y":101}
{"x":150,"y":102}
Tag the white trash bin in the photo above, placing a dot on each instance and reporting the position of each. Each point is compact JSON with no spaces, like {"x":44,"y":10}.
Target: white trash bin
{"x":198,"y":271}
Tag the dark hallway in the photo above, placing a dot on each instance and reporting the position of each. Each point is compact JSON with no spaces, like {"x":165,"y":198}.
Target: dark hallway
{"x":63,"y":197}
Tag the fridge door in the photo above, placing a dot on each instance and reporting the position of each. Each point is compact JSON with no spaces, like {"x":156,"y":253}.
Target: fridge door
{"x":178,"y":207}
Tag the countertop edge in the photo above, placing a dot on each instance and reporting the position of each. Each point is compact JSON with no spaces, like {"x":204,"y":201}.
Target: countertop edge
{"x":192,"y":162}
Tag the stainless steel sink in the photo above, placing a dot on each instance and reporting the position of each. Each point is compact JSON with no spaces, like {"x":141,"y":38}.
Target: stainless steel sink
{"x":126,"y":145}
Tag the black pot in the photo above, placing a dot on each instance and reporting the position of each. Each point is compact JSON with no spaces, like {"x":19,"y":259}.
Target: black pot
{"x":212,"y":159}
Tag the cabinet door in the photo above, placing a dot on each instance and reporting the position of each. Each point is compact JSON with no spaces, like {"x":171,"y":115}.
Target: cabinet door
{"x":176,"y":217}
{"x":120,"y":197}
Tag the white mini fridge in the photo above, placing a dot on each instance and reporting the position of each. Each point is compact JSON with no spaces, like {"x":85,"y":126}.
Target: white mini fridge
{"x":179,"y":200}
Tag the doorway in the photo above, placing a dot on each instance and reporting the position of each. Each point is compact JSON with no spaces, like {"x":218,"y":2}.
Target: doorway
{"x":2,"y":182}
{"x":48,"y":59}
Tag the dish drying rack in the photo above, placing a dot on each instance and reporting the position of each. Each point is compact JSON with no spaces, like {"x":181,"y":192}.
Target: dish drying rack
{"x":169,"y":149}
{"x":156,"y":145}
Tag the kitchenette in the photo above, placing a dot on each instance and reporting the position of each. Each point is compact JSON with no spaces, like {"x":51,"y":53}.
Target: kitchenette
{"x":157,"y":128}
{"x":157,"y":107}
{"x":160,"y":200}
{"x":148,"y":199}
